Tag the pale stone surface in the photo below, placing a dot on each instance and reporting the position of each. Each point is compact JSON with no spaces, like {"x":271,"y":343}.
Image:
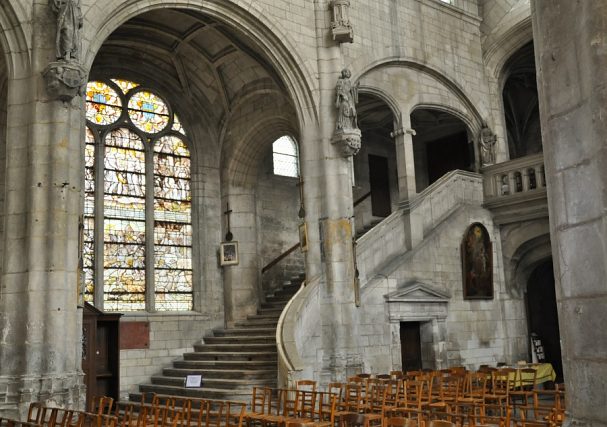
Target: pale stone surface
{"x":250,"y":72}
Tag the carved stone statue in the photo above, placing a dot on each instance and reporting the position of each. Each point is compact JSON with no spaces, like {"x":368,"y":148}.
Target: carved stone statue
{"x":65,"y":78}
{"x":69,"y":23}
{"x":347,"y":97}
{"x":487,"y":141}
{"x":347,"y":133}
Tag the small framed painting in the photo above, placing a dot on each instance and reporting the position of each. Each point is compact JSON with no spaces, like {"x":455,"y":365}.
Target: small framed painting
{"x":303,"y":237}
{"x":228,"y":253}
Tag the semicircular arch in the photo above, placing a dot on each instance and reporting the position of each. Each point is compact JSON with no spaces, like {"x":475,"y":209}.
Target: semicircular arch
{"x":14,"y":39}
{"x":268,"y":35}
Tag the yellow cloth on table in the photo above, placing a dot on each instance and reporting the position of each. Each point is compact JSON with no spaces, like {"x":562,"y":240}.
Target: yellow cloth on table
{"x":545,"y":373}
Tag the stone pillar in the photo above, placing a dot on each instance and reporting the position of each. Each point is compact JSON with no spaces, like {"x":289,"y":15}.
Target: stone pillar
{"x":41,"y":324}
{"x":407,"y":188}
{"x":242,"y":283}
{"x":570,"y":40}
{"x":339,"y":355}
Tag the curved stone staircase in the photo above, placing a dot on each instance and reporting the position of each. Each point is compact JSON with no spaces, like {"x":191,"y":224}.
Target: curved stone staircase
{"x":232,"y":360}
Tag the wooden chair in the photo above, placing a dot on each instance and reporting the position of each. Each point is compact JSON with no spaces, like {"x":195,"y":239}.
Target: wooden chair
{"x":351,"y":401}
{"x":525,"y":383}
{"x":260,"y":401}
{"x":9,"y":422}
{"x":102,"y":405}
{"x":441,"y":423}
{"x":309,"y":385}
{"x":448,"y":394}
{"x":399,"y":422}
{"x":356,"y":420}
{"x":326,"y":406}
{"x":502,"y":382}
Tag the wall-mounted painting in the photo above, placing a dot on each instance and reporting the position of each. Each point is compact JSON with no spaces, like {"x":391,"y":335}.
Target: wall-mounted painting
{"x":477,"y":263}
{"x":228,"y":253}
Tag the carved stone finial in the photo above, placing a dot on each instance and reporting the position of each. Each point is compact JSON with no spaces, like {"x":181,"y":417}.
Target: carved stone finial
{"x":341,"y":28}
{"x":347,"y":135}
{"x":65,"y":80}
{"x":487,"y":141}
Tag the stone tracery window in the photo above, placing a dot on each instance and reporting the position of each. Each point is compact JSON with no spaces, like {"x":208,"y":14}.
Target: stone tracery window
{"x":284,"y":157}
{"x":137,"y":212}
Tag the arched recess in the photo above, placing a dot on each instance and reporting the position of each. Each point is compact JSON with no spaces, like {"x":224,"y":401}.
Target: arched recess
{"x":442,"y":143}
{"x":375,"y":175}
{"x":521,"y":104}
{"x":252,"y":23}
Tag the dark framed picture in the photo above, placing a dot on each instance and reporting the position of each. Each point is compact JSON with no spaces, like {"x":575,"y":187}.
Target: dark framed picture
{"x":228,"y":253}
{"x":477,"y":263}
{"x":303,"y":237}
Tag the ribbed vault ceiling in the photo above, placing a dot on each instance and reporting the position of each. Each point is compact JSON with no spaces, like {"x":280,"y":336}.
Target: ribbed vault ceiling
{"x":200,"y":62}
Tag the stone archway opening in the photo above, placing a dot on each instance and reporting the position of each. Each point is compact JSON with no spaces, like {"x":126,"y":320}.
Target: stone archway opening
{"x":375,"y":177}
{"x":521,"y":106}
{"x":441,"y":144}
{"x":542,"y":316}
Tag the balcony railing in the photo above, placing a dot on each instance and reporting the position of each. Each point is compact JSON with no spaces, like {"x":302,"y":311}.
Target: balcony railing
{"x":515,"y":177}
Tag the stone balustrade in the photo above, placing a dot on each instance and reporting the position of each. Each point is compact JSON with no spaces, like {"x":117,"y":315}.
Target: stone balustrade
{"x":515,"y":176}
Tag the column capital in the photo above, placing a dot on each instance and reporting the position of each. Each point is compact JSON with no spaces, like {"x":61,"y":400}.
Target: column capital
{"x":402,"y":131}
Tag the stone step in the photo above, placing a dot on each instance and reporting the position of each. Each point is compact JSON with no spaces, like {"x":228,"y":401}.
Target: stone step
{"x":269,"y":374}
{"x":243,"y":356}
{"x":197,"y":393}
{"x":235,"y":348}
{"x":270,"y":311}
{"x":225,"y":364}
{"x":265,"y":323}
{"x":247,"y":339}
{"x":250,"y":331}
{"x":218,"y":383}
{"x":268,"y":316}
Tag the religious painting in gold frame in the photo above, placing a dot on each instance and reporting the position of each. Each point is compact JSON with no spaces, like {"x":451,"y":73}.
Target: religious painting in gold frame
{"x":477,"y":263}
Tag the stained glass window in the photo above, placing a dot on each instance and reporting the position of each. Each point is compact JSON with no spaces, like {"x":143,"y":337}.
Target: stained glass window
{"x":284,"y":155}
{"x":148,"y":112}
{"x":124,"y":249}
{"x":172,"y":229}
{"x":88,"y":255}
{"x":103,"y":105}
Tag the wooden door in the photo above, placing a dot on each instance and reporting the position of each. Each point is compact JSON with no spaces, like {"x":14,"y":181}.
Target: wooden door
{"x":410,"y":344}
{"x":380,"y":186}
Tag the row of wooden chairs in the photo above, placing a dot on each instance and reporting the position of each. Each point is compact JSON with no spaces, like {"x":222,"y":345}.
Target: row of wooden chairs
{"x":472,"y":397}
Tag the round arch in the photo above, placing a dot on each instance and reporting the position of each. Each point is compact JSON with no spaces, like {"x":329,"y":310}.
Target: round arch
{"x":14,"y":43}
{"x":385,"y":97}
{"x":268,"y":35}
{"x":452,"y":86}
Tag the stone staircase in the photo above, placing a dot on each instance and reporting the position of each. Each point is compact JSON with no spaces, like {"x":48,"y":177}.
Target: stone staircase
{"x":232,"y":360}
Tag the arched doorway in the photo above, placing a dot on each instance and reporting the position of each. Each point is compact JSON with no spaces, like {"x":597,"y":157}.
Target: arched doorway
{"x":542,"y":316}
{"x":441,"y":144}
{"x":521,"y":104}
{"x":375,"y":179}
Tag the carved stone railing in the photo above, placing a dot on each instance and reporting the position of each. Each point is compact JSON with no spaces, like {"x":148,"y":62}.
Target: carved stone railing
{"x":515,"y":176}
{"x":516,"y":190}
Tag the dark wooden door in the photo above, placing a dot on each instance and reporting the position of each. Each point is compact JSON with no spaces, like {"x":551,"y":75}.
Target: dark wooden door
{"x":380,"y":186}
{"x":410,"y":344}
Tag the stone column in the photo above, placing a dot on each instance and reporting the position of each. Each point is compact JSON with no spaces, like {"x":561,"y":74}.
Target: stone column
{"x":339,"y":355}
{"x":40,"y":346}
{"x":407,"y":188}
{"x":571,"y":55}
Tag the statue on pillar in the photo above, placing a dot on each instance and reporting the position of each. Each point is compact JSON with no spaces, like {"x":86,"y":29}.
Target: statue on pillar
{"x":66,"y":78}
{"x":347,"y":134}
{"x":487,"y":141}
{"x":69,"y":24}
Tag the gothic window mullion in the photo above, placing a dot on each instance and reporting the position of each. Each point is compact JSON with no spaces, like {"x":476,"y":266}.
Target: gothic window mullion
{"x":99,"y":215}
{"x":149,"y":226}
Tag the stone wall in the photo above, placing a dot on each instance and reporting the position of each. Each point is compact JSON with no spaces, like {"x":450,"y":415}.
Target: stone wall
{"x":170,"y":336}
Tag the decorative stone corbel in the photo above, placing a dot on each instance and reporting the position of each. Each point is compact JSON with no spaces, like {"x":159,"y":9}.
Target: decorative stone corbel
{"x":65,"y":80}
{"x":341,"y":28}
